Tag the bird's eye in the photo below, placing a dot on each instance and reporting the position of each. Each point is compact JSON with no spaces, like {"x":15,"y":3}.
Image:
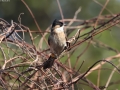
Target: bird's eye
{"x":61,"y":24}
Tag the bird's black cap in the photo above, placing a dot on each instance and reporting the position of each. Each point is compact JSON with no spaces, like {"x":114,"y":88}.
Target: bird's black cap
{"x":56,"y":22}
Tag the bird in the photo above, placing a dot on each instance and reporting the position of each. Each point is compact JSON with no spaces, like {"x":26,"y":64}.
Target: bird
{"x":56,"y":41}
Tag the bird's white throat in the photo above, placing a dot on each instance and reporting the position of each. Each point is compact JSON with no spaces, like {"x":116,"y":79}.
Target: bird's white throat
{"x":60,"y":29}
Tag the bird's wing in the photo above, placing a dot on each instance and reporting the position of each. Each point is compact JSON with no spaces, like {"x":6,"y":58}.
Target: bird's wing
{"x":49,"y":40}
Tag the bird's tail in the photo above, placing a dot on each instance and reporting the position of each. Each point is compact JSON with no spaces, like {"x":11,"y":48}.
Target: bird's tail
{"x":49,"y":62}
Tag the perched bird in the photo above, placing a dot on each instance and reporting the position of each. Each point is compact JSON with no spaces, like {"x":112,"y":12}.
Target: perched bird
{"x":56,"y":41}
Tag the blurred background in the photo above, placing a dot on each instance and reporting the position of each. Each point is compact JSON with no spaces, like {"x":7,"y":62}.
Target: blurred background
{"x":45,"y":11}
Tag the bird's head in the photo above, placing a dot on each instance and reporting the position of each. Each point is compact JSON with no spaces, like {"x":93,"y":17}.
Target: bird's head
{"x":57,"y":25}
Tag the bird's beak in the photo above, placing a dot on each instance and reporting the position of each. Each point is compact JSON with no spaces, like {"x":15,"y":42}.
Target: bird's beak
{"x":65,"y":24}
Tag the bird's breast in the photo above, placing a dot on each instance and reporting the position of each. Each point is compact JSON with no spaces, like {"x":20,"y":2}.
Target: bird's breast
{"x":57,"y":42}
{"x":60,"y":38}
